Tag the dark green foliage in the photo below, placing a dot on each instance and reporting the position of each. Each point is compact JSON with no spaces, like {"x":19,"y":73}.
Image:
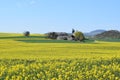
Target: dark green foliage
{"x":48,"y":41}
{"x":54,"y":35}
{"x":73,"y":31}
{"x":27,"y":33}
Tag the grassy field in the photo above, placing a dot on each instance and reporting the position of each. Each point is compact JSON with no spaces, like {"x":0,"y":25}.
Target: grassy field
{"x":38,"y":58}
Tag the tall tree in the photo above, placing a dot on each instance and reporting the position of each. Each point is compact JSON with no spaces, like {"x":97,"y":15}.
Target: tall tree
{"x":79,"y":36}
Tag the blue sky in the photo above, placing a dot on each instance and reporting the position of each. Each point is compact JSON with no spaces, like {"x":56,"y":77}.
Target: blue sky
{"x":41,"y":16}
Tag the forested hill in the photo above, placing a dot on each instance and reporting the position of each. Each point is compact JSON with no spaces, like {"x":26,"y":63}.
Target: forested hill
{"x":111,"y":34}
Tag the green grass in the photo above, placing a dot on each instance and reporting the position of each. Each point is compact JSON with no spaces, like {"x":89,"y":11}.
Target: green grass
{"x":110,"y":40}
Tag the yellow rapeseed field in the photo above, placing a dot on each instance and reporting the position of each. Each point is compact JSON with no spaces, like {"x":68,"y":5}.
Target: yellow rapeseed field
{"x":28,"y":58}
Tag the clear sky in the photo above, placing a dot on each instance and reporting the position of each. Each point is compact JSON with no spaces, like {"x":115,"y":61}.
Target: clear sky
{"x":41,"y":16}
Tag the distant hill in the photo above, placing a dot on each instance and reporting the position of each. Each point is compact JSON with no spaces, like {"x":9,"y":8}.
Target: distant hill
{"x":111,"y":34}
{"x":95,"y":32}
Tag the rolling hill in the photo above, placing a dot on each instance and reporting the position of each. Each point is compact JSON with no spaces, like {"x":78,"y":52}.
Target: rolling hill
{"x":95,"y":32}
{"x":113,"y":34}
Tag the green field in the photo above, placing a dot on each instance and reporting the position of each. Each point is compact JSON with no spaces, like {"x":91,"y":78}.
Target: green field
{"x":39,"y":58}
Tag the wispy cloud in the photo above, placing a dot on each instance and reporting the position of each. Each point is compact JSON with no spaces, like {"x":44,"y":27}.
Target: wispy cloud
{"x":26,"y":3}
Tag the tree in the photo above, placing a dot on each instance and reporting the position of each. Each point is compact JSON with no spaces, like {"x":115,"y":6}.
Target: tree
{"x":79,"y":36}
{"x":73,"y":31}
{"x":52,"y":35}
{"x":27,"y":33}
